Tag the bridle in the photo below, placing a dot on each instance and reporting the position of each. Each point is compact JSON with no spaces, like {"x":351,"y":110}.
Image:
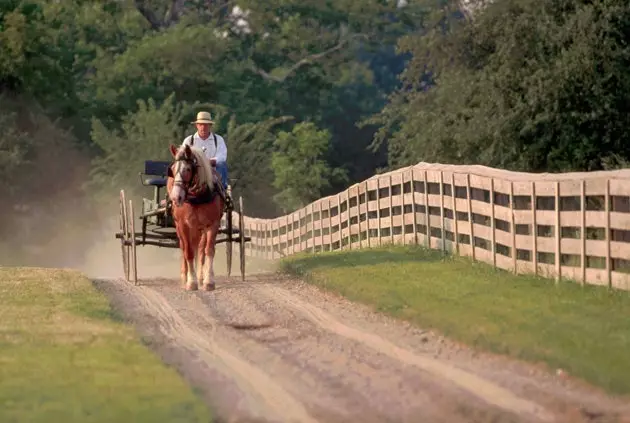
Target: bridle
{"x":181,"y":182}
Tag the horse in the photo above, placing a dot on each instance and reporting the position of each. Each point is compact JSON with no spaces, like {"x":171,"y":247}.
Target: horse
{"x":197,"y":208}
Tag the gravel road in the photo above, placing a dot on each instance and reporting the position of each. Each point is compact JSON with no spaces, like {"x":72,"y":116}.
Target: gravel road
{"x":274,"y":349}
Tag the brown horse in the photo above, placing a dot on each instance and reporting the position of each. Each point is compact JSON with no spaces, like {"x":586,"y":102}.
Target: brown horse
{"x":197,"y":209}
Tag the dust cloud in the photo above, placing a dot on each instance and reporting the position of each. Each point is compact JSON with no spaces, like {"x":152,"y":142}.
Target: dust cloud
{"x":83,"y":238}
{"x":104,"y":259}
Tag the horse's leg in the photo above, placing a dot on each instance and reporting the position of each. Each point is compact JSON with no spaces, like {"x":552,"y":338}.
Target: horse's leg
{"x":208,"y":282}
{"x":201,"y":255}
{"x":190,"y":248}
{"x":184,"y":268}
{"x":183,"y":264}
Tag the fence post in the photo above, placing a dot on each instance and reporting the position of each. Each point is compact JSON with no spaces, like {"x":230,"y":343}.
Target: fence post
{"x":270,"y":240}
{"x":470,"y":217}
{"x":583,"y":231}
{"x":413,"y":206}
{"x":558,"y":232}
{"x":493,"y":235}
{"x":303,"y":224}
{"x":513,"y":228}
{"x":349,"y":220}
{"x":321,"y":227}
{"x":534,"y":230}
{"x":454,"y":210}
{"x":256,"y":239}
{"x":339,"y":214}
{"x":264,"y":227}
{"x":330,"y":243}
{"x":296,"y":231}
{"x":378,"y":207}
{"x":359,"y":213}
{"x":286,"y":231}
{"x":391,"y":210}
{"x":312,"y":229}
{"x":276,"y":247}
{"x":402,"y":209}
{"x":607,"y":211}
{"x":290,"y":247}
{"x":443,"y":228}
{"x":426,"y":210}
{"x":367,"y":215}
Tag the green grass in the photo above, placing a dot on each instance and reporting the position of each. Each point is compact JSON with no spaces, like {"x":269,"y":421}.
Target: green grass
{"x":583,"y":330}
{"x":65,"y":357}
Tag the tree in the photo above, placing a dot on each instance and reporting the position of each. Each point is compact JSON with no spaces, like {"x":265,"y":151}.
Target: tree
{"x":301,"y":173}
{"x":524,"y":85}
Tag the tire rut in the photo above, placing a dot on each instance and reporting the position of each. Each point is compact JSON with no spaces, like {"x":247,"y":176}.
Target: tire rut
{"x":278,"y":403}
{"x":487,"y":391}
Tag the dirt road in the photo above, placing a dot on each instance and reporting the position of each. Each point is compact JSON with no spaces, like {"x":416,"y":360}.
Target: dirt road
{"x":277,"y":350}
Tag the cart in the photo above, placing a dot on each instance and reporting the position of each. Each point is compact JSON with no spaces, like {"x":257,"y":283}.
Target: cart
{"x":157,"y":227}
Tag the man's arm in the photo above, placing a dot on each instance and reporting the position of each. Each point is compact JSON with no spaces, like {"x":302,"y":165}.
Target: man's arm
{"x":221,"y":154}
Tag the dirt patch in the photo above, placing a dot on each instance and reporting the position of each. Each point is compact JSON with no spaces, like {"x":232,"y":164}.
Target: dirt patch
{"x":275,"y":349}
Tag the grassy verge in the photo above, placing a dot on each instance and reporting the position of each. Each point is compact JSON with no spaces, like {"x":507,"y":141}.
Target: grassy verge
{"x":585,"y":331}
{"x":65,"y":358}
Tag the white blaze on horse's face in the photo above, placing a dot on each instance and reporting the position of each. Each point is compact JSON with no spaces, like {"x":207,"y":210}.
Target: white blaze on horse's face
{"x":182,"y":175}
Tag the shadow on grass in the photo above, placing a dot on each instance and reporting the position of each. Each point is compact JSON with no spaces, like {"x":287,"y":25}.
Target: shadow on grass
{"x":373,"y":256}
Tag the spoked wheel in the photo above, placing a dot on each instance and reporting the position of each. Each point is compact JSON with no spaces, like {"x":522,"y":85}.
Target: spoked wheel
{"x":132,"y":246}
{"x":124,"y":234}
{"x":241,"y":236}
{"x":228,"y":244}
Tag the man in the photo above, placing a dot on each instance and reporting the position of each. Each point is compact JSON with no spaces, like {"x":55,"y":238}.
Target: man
{"x":212,"y":144}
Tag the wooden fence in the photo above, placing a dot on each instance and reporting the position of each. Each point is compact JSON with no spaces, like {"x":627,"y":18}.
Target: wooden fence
{"x":571,"y":225}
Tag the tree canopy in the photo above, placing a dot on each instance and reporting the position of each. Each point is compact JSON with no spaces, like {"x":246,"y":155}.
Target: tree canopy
{"x":530,"y":85}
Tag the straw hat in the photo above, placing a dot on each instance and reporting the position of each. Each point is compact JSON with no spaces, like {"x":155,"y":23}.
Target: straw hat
{"x":203,"y":117}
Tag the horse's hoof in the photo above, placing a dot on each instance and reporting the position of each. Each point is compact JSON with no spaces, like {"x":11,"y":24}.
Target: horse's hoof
{"x":192,"y":286}
{"x":209,"y":287}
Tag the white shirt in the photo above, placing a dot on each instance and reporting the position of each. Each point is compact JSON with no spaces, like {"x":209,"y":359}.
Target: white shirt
{"x":220,"y":152}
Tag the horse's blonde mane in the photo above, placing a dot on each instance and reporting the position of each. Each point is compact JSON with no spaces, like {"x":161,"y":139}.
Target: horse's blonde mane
{"x":204,"y":170}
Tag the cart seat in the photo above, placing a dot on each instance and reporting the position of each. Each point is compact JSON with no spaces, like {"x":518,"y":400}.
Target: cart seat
{"x":156,"y":182}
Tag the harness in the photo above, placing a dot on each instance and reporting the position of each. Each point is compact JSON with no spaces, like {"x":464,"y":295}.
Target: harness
{"x":214,"y":137}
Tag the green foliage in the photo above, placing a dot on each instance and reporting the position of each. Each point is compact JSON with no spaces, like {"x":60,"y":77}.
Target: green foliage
{"x":145,"y":134}
{"x":15,"y":146}
{"x":526,"y":85}
{"x":300,"y":170}
{"x":249,"y":160}
{"x":32,"y":146}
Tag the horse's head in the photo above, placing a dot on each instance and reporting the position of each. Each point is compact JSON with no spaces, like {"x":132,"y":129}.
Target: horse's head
{"x":182,"y":171}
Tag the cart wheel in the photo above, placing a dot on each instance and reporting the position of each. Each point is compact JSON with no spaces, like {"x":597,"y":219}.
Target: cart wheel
{"x":241,"y":236}
{"x":228,"y":244}
{"x":124,"y":234}
{"x":132,"y":247}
